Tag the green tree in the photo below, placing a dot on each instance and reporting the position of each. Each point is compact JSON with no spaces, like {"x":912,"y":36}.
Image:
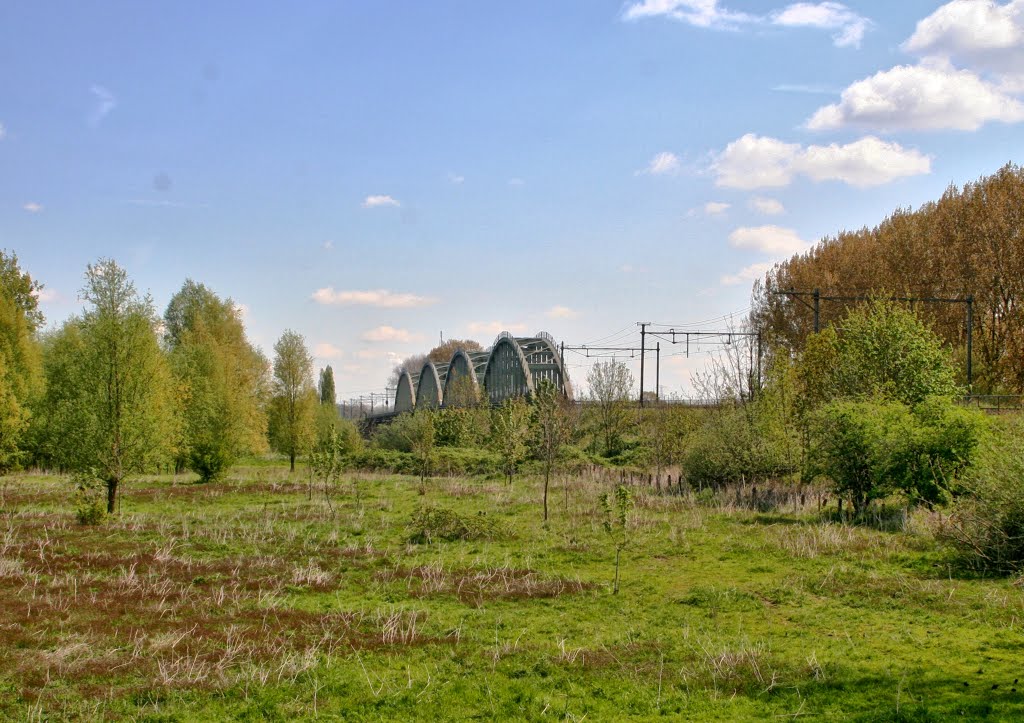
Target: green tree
{"x":510,"y":433}
{"x":108,"y":409}
{"x":20,"y":361}
{"x":616,"y":510}
{"x":326,"y":386}
{"x":222,"y":381}
{"x":294,"y":400}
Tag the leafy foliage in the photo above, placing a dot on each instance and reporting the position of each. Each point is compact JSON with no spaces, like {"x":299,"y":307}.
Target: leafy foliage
{"x":438,"y":524}
{"x":295,"y":399}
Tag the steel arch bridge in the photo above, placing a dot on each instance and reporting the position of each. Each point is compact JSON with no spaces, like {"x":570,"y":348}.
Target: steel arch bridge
{"x":513,"y":366}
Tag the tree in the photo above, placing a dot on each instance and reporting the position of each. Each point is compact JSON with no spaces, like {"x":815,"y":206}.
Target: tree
{"x":326,"y":386}
{"x":334,"y":440}
{"x":611,"y":385}
{"x":552,"y":428}
{"x":222,"y":381}
{"x":20,"y":362}
{"x":883,"y":351}
{"x":294,"y":400}
{"x":616,"y":523}
{"x":108,"y":410}
{"x":510,"y":431}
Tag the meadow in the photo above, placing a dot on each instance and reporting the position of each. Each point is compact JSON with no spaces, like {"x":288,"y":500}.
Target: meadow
{"x":261,"y":598}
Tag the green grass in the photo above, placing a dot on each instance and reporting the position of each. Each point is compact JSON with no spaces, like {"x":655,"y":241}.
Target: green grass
{"x":247,"y":599}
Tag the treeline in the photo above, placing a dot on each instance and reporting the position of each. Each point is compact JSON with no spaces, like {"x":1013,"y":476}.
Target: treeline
{"x":968,"y":243}
{"x":119,"y":389}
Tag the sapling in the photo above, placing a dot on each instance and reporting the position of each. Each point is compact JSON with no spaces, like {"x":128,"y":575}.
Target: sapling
{"x":616,"y":509}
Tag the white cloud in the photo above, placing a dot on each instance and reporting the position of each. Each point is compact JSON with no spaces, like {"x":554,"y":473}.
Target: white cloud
{"x":700,"y":13}
{"x":379,"y":297}
{"x":867,"y":162}
{"x":390,"y":333}
{"x":755,"y":162}
{"x":326,"y":350}
{"x":714,"y":208}
{"x":327,"y":245}
{"x":773,"y":240}
{"x":456,"y":179}
{"x":760,"y":162}
{"x":104,"y":103}
{"x":982,"y":33}
{"x":495,"y":327}
{"x":849,"y":27}
{"x":663,"y":164}
{"x":561,"y":312}
{"x":920,"y":97}
{"x":767,"y":206}
{"x":380,"y":201}
{"x":3,"y":131}
{"x":47,"y":296}
{"x":747,"y":275}
{"x":33,"y":207}
{"x":516,"y":182}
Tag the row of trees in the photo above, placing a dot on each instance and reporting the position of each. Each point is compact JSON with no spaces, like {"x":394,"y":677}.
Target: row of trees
{"x":968,"y":243}
{"x":118,"y":390}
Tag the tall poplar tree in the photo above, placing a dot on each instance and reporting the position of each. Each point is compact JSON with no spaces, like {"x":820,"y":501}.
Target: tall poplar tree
{"x":20,"y":372}
{"x":222,"y":380}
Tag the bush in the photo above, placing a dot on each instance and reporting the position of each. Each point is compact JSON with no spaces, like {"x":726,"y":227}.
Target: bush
{"x":739,"y":443}
{"x":869,"y":450}
{"x":447,"y":461}
{"x":90,"y":505}
{"x":987,"y":521}
{"x":430,"y":524}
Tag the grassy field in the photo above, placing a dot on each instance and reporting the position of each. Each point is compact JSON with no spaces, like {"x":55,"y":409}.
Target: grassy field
{"x":247,"y":599}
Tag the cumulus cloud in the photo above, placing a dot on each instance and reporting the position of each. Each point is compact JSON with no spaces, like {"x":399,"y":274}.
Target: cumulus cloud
{"x":767,"y":206}
{"x":746,"y":275}
{"x":390,"y":333}
{"x":33,"y":207}
{"x":754,"y":161}
{"x":663,"y":164}
{"x":379,"y":297}
{"x":456,"y":179}
{"x":561,"y":312}
{"x":3,"y":131}
{"x":980,"y":33}
{"x":327,"y":245}
{"x":326,"y":350}
{"x":380,"y":201}
{"x":849,"y":27}
{"x":700,"y":13}
{"x":760,"y":162}
{"x":495,"y":327}
{"x":714,"y":208}
{"x":773,"y":240}
{"x":919,"y":97}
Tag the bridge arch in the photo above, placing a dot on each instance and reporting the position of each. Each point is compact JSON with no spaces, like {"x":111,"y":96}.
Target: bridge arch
{"x":465,"y":373}
{"x":429,"y":392}
{"x":507,"y":374}
{"x":405,"y":393}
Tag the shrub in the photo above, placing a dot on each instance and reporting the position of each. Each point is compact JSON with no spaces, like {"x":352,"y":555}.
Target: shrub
{"x":987,"y":521}
{"x":430,"y":524}
{"x":90,"y":505}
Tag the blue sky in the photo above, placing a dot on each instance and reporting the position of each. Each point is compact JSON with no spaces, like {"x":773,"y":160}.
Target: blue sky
{"x":375,"y":174}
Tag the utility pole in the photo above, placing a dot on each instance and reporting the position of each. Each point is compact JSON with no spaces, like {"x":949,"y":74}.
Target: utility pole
{"x":643,"y":335}
{"x":657,"y":373}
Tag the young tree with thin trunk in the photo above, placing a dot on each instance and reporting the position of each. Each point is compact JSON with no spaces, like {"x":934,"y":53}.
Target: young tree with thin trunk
{"x":552,"y":429}
{"x":510,"y":433}
{"x":292,"y":407}
{"x":611,"y":386}
{"x":108,"y":410}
